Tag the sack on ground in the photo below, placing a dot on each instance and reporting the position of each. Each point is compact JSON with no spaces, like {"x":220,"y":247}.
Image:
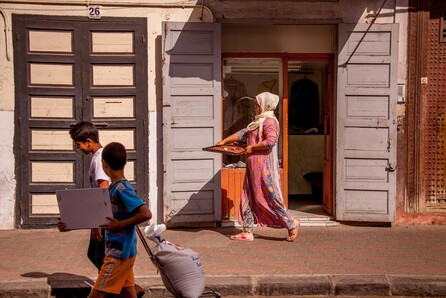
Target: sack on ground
{"x":182,"y":267}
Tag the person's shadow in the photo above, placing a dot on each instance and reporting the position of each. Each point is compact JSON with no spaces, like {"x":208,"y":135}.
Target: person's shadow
{"x":65,"y":285}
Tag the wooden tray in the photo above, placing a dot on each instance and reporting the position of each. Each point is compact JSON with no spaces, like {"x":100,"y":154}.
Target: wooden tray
{"x":231,"y":149}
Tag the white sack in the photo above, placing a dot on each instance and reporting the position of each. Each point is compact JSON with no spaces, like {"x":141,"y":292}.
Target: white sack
{"x":182,"y":266}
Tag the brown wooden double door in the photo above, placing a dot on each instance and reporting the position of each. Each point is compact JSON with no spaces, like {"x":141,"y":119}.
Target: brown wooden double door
{"x":69,"y":70}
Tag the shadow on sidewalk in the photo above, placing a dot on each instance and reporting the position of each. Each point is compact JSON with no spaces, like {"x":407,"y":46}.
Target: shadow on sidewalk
{"x":229,"y":231}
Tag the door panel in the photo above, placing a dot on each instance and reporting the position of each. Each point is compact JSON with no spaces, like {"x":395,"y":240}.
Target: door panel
{"x":366,"y":122}
{"x":191,"y":121}
{"x":328,"y":192}
{"x":70,"y":70}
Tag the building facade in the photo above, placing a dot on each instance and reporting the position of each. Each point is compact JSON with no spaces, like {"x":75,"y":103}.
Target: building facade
{"x":359,"y":91}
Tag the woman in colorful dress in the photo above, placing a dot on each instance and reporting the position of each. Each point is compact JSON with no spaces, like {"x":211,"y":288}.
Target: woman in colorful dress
{"x":262,"y":200}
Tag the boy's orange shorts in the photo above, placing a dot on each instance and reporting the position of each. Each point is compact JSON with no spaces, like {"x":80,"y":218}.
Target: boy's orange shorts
{"x":115,"y":274}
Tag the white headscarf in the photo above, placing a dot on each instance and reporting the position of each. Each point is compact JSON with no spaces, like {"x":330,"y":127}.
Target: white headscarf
{"x":268,"y":103}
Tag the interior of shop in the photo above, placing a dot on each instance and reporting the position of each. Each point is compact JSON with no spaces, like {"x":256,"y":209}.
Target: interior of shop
{"x":244,"y":78}
{"x":291,"y":61}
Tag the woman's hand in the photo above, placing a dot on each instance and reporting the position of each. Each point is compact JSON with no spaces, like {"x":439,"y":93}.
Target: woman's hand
{"x":220,"y":143}
{"x":248,"y":150}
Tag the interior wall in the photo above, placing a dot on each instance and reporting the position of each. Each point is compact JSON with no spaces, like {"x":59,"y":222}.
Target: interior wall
{"x":278,"y":38}
{"x":306,"y":151}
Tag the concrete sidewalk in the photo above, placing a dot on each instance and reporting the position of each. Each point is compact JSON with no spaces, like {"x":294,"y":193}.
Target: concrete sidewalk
{"x":323,"y":261}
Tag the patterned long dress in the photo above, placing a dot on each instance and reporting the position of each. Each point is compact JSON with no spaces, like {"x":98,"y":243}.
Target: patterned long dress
{"x":262,"y":201}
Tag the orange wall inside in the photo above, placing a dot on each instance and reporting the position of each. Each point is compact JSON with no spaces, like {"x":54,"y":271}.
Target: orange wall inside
{"x":231,"y":192}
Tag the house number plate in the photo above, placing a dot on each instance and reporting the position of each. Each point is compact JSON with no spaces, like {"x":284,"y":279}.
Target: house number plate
{"x":94,"y":12}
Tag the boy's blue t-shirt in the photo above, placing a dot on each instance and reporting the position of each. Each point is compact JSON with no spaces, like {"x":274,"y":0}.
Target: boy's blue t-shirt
{"x":122,"y":244}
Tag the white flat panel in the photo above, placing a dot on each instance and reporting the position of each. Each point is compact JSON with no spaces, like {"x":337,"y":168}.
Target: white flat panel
{"x":125,"y":137}
{"x":192,"y":138}
{"x":44,"y":204}
{"x":372,"y":43}
{"x":192,"y":75}
{"x":129,"y":171}
{"x":193,"y":185}
{"x":52,"y":171}
{"x":113,"y":107}
{"x":51,"y":140}
{"x":367,"y":107}
{"x":108,"y":75}
{"x":366,"y":170}
{"x":50,"y":41}
{"x":198,"y":42}
{"x":368,"y":74}
{"x":368,"y":139}
{"x":51,"y":74}
{"x":185,"y":107}
{"x":112,"y":42}
{"x":200,"y":202}
{"x":366,"y":201}
{"x":52,"y":107}
{"x":192,"y":170}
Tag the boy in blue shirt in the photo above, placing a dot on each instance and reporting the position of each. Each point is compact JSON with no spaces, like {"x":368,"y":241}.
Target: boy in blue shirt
{"x":116,"y":274}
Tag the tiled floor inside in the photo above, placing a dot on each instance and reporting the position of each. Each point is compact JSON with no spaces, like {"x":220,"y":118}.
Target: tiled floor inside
{"x":305,"y":205}
{"x":309,"y":210}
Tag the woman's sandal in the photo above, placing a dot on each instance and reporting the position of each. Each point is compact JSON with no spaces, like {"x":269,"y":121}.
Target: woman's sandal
{"x":243,"y":237}
{"x":292,"y":234}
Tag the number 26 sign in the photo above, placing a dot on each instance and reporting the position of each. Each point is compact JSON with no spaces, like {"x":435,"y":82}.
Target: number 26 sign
{"x":94,"y":11}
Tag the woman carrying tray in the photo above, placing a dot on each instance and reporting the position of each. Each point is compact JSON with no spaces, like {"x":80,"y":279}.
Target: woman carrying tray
{"x":262,"y":200}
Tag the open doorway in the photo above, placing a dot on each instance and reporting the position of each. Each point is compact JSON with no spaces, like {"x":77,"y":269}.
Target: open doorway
{"x":269,"y":57}
{"x":304,"y":84}
{"x":310,"y":106}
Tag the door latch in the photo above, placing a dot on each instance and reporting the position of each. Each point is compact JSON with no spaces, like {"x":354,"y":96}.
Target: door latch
{"x":390,"y":167}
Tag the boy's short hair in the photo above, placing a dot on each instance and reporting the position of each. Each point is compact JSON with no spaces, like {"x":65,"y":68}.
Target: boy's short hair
{"x":115,"y":155}
{"x":84,"y":130}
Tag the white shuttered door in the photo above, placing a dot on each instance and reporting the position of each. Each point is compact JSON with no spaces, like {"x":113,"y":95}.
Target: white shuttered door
{"x":191,"y":121}
{"x":366,"y":122}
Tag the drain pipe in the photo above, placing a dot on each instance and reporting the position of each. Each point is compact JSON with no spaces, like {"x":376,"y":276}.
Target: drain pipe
{"x":7,"y":30}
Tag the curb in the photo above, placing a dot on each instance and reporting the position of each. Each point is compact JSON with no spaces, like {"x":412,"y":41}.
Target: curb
{"x":255,"y":285}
